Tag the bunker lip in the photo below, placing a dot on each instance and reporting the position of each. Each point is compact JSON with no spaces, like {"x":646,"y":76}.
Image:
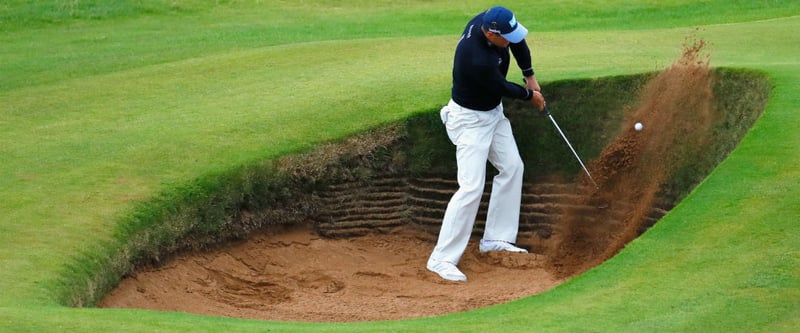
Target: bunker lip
{"x":365,"y":264}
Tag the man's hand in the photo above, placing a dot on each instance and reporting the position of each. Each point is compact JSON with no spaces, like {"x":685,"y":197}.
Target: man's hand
{"x":532,"y":84}
{"x":538,"y":100}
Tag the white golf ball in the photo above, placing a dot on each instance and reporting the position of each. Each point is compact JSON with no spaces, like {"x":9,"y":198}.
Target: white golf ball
{"x":638,"y":126}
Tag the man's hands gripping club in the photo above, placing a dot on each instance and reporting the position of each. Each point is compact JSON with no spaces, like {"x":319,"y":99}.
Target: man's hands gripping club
{"x":537,"y":100}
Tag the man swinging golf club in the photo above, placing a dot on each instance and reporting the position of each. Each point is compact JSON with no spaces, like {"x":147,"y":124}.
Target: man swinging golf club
{"x":477,"y":126}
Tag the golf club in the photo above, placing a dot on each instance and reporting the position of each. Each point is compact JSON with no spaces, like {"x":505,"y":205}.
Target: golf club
{"x":549,"y":115}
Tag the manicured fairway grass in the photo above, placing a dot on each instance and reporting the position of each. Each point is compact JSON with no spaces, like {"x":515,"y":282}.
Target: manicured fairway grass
{"x":97,"y":114}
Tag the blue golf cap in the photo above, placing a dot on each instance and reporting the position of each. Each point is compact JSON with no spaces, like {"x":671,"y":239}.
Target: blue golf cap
{"x":501,"y":21}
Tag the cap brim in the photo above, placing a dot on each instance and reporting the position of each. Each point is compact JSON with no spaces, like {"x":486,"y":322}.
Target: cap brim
{"x":517,"y":35}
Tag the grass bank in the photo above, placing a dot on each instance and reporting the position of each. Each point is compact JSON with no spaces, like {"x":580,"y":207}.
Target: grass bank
{"x":89,"y":130}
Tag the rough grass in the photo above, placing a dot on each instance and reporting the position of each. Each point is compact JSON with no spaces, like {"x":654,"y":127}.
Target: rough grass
{"x":63,"y":192}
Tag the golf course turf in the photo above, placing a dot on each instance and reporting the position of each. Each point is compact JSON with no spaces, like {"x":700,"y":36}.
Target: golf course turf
{"x":103,"y":113}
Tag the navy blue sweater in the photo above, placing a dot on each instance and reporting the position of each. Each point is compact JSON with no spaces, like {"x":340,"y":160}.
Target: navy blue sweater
{"x":480,"y":69}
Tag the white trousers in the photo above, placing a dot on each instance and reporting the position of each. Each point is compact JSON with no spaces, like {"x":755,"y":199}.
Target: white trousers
{"x":480,"y":136}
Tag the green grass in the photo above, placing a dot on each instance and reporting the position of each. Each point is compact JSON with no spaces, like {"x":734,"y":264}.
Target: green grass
{"x":105,"y":107}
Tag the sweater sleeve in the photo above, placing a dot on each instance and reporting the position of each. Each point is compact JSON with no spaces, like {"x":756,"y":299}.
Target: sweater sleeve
{"x":522,"y":54}
{"x":498,"y":85}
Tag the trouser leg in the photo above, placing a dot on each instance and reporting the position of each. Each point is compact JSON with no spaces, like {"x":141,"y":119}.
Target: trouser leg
{"x":502,"y":218}
{"x":472,"y":133}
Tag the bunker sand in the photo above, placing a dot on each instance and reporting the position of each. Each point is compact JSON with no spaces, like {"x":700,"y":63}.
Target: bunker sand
{"x":295,"y":275}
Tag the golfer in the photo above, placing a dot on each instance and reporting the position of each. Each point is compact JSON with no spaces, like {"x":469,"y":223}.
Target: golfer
{"x":477,"y":126}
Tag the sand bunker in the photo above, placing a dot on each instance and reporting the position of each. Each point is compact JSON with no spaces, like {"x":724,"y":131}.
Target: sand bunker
{"x":295,"y":274}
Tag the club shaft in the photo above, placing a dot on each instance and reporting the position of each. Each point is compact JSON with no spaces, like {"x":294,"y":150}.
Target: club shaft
{"x":570,"y":148}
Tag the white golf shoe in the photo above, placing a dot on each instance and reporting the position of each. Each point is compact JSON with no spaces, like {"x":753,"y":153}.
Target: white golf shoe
{"x":496,"y":245}
{"x":446,"y":270}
